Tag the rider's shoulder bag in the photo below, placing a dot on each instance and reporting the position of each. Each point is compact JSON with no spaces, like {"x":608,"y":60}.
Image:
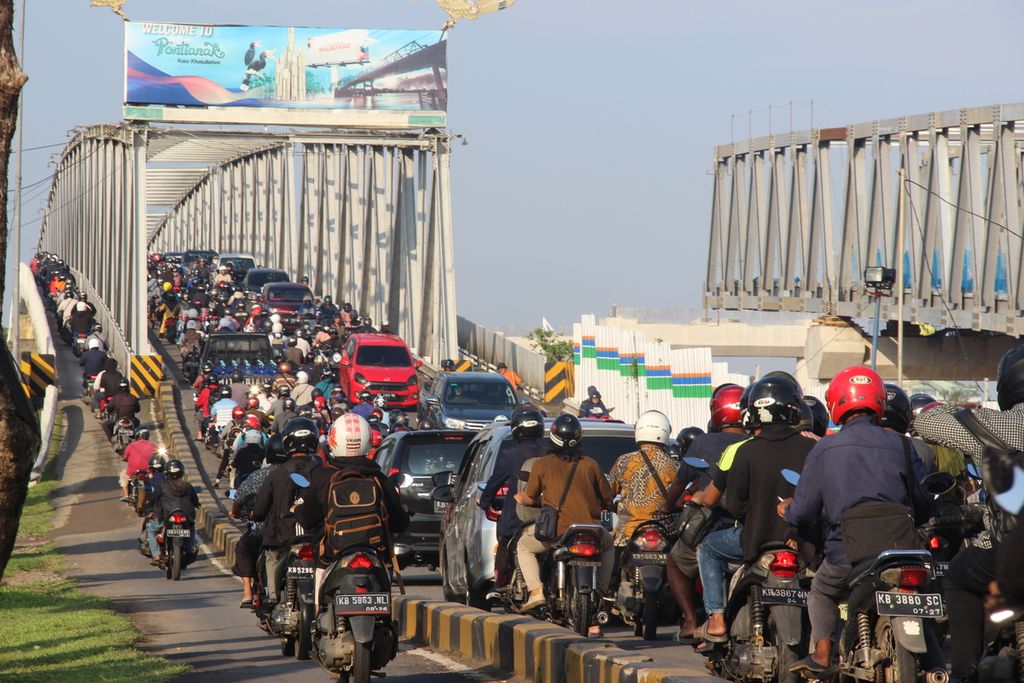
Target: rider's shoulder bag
{"x":874,"y":526}
{"x":695,"y":522}
{"x":546,"y":529}
{"x":355,"y":514}
{"x":996,"y":455}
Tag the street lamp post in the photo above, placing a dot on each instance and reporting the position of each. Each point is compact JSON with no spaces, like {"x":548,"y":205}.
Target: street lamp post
{"x":878,"y":282}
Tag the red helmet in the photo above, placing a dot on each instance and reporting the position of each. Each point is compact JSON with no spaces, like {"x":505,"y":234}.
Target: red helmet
{"x":319,"y":403}
{"x":237,"y":412}
{"x":252,"y":422}
{"x":855,"y":388}
{"x":252,"y":402}
{"x":725,"y":407}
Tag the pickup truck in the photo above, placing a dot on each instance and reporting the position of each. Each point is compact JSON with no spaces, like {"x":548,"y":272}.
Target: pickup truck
{"x":250,"y":353}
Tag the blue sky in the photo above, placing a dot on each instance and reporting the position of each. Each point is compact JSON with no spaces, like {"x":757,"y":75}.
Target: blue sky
{"x":591,"y":124}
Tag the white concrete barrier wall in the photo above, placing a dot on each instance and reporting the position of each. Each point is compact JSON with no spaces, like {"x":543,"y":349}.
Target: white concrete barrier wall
{"x":46,"y":418}
{"x":29,"y":294}
{"x":494,"y":347}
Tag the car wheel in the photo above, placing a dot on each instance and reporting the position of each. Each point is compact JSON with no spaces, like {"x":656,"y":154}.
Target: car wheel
{"x":449,"y":594}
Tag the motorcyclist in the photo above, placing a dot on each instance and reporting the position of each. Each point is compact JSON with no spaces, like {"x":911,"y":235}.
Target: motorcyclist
{"x":277,"y":405}
{"x":365,"y":405}
{"x":121,"y":405}
{"x":97,"y":335}
{"x":686,"y":437}
{"x":292,"y":354}
{"x":593,"y":406}
{"x":136,"y":456}
{"x":863,"y":462}
{"x":527,"y":428}
{"x":328,"y":311}
{"x":239,"y":389}
{"x":302,"y":393}
{"x":287,"y":413}
{"x":174,"y":494}
{"x":585,"y":496}
{"x":973,"y":568}
{"x":276,"y":498}
{"x":92,"y":359}
{"x":753,"y":487}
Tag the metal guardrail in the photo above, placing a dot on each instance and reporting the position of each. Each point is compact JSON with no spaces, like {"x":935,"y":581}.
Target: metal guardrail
{"x":493,"y":347}
{"x":117,"y":346}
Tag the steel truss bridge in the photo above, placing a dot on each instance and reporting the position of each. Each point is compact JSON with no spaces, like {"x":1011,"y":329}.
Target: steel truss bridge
{"x":366,"y":215}
{"x":796,"y":217}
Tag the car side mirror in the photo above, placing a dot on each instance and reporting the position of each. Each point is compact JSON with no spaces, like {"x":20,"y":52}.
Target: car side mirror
{"x":446,"y":478}
{"x":418,"y":364}
{"x":443,"y":494}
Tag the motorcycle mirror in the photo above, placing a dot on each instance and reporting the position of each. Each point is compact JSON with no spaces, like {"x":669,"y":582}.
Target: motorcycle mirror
{"x":443,"y":494}
{"x":401,"y":480}
{"x":696,"y":463}
{"x":1007,"y":486}
{"x":299,"y":480}
{"x":791,"y":476}
{"x":972,"y":471}
{"x":606,"y":520}
{"x":232,"y":494}
{"x":938,"y":483}
{"x":446,"y":478}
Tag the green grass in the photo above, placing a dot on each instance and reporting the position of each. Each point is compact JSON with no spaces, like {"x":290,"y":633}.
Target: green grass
{"x":52,"y":631}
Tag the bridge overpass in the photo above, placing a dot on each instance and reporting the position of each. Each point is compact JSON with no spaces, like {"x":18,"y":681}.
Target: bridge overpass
{"x":365,"y":214}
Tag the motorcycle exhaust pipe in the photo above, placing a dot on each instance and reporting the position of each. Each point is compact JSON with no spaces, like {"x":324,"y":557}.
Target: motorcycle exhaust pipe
{"x":603,"y":618}
{"x":936,"y":677}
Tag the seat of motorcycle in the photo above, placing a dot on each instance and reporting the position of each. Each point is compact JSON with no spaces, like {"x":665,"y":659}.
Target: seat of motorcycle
{"x":574,"y":529}
{"x":885,"y":559}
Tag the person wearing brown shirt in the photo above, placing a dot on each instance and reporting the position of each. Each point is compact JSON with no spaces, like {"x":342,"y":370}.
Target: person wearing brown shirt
{"x":588,"y":494}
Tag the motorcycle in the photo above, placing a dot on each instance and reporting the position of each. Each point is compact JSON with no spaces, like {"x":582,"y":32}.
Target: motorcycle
{"x":176,"y":529}
{"x":87,"y":389}
{"x":124,"y":433}
{"x":643,"y":590}
{"x":1003,"y":661}
{"x":353,"y":633}
{"x":80,"y":343}
{"x":137,"y":491}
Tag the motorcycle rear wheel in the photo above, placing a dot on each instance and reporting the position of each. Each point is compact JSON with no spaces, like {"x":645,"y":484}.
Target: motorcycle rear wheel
{"x":902,"y":667}
{"x":304,"y":641}
{"x":581,"y":613}
{"x":360,"y":664}
{"x":176,"y":561}
{"x":650,"y":630}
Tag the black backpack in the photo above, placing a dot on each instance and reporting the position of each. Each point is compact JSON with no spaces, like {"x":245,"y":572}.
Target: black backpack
{"x":355,"y":514}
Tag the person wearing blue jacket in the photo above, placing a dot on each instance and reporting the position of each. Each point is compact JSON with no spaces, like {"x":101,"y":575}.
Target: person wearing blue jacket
{"x":863,"y":462}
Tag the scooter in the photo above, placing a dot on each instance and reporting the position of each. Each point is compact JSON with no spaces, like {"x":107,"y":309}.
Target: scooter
{"x":176,"y":529}
{"x":643,"y":592}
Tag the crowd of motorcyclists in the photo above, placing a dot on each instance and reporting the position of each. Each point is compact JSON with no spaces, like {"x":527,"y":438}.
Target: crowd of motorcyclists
{"x":770,"y":535}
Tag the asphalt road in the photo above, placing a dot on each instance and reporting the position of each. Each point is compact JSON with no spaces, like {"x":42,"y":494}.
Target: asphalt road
{"x":195,"y":621}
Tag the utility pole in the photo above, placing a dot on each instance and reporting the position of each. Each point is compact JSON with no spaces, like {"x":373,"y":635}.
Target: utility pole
{"x":899,"y":281}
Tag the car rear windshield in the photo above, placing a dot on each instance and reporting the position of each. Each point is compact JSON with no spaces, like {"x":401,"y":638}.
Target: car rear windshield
{"x":496,"y":394}
{"x":604,"y":449}
{"x":425,"y":459}
{"x":257,"y":280}
{"x":193,"y":255}
{"x":238,"y":263}
{"x":383,"y":356}
{"x":296,"y":294}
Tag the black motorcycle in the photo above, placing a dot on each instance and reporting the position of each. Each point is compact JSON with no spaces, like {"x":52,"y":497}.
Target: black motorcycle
{"x":643,"y":596}
{"x":177,"y":528}
{"x":353,"y":633}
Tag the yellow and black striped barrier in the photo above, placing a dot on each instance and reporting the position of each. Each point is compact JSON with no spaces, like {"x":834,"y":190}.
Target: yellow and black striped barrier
{"x":38,"y":371}
{"x":558,"y":380}
{"x":464,"y":365}
{"x":147,"y":373}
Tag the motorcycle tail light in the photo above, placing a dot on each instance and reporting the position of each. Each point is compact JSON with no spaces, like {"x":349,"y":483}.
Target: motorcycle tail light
{"x":934,"y":543}
{"x":360,"y":561}
{"x":913,"y":577}
{"x":305,"y":551}
{"x":584,"y":549}
{"x":178,"y":518}
{"x":650,"y":540}
{"x":785,"y":564}
{"x":491,"y":513}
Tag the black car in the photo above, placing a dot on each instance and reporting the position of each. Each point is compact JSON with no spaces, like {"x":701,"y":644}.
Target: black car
{"x":417,"y":456}
{"x":256,"y":278}
{"x":467,"y":400}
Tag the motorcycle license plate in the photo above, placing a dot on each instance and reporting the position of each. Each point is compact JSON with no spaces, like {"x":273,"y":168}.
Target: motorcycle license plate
{"x":783,"y":596}
{"x":439,"y":507}
{"x":300,"y":570}
{"x":362,"y":603}
{"x":909,"y":604}
{"x":648,"y":558}
{"x":389,"y":397}
{"x":178,"y":533}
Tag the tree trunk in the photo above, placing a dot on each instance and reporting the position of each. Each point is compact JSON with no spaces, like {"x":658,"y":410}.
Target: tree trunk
{"x":19,"y":433}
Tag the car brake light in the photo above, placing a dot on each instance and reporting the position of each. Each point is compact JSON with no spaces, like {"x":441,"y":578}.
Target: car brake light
{"x":305,"y":551}
{"x":934,"y":543}
{"x":913,"y":577}
{"x":491,"y":513}
{"x":650,"y":540}
{"x":584,"y":549}
{"x":178,"y":518}
{"x":393,"y":471}
{"x":360,"y":561}
{"x":784,"y":563}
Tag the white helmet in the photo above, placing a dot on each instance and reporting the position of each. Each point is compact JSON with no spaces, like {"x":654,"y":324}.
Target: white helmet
{"x":380,"y":402}
{"x":94,"y":343}
{"x":302,"y":377}
{"x":348,"y":437}
{"x":652,"y":427}
{"x":277,"y":328}
{"x":275,"y":318}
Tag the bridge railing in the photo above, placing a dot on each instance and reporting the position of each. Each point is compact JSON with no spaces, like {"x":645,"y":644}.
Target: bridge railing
{"x":494,"y":347}
{"x":118,"y":347}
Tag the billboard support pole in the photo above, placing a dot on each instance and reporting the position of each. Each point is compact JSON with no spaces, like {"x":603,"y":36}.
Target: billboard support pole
{"x":138,"y":334}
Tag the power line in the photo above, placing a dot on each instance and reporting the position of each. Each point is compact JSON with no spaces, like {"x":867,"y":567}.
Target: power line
{"x":957,"y":207}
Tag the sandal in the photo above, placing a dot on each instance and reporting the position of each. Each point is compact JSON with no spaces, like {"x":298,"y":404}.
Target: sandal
{"x":685,"y":636}
{"x":702,"y":634}
{"x":810,"y":669}
{"x":245,"y":604}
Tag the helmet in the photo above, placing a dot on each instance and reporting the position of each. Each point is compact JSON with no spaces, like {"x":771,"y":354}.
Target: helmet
{"x":225,"y":392}
{"x":725,"y":407}
{"x":425,"y":423}
{"x":328,"y":299}
{"x":266,"y":386}
{"x":780,"y":374}
{"x":319,"y":402}
{"x":364,"y":396}
{"x":252,"y":402}
{"x":253,"y":437}
{"x":652,"y":427}
{"x":96,"y":327}
{"x":167,"y":286}
{"x":1010,"y":385}
{"x":818,"y":413}
{"x":348,"y":437}
{"x":338,"y":409}
{"x":156,"y":463}
{"x":685,"y":438}
{"x":566,"y":433}
{"x":366,"y":321}
{"x":207,"y":368}
{"x":288,"y":404}
{"x":141,"y":433}
{"x":174,"y":469}
{"x":856,"y":388}
{"x":347,"y":307}
{"x":527,"y":423}
{"x":919,"y":401}
{"x":273,"y":452}
{"x":94,"y":343}
{"x":302,"y":377}
{"x":897,"y":413}
{"x":380,"y":402}
{"x":257,"y":310}
{"x":284,"y":391}
{"x":448,"y":365}
{"x":284,"y":367}
{"x":397,"y":417}
{"x":300,"y":436}
{"x":771,"y":401}
{"x":252,"y":422}
{"x":123,"y":385}
{"x":275,"y":318}
{"x":502,"y":366}
{"x":237,"y":413}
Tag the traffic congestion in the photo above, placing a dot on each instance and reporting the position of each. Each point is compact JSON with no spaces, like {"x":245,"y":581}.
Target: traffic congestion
{"x":869,"y":536}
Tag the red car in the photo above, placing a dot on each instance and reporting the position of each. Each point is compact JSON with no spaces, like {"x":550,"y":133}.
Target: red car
{"x":380,"y":364}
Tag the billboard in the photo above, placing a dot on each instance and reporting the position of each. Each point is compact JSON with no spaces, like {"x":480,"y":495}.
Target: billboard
{"x":279,"y":74}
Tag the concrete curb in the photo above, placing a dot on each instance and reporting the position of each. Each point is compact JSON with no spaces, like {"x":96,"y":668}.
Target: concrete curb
{"x":528,"y":648}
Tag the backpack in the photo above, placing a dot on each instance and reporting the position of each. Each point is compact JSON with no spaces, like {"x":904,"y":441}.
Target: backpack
{"x":356,"y":514}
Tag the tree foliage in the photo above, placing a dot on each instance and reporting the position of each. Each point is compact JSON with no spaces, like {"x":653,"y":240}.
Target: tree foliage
{"x":554,"y":346}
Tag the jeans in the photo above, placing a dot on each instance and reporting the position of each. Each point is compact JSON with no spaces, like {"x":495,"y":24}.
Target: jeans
{"x":153,"y":527}
{"x":714,"y":554}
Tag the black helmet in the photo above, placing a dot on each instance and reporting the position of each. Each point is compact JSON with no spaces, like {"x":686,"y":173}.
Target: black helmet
{"x":527,"y":423}
{"x":397,"y":417}
{"x":273,"y":452}
{"x":897,"y":413}
{"x":919,"y":401}
{"x":818,"y":414}
{"x":328,"y":299}
{"x":156,"y":463}
{"x":123,"y":385}
{"x":1010,"y":385}
{"x":225,"y":392}
{"x":566,"y":433}
{"x":425,"y":423}
{"x":141,"y":433}
{"x":782,"y":374}
{"x":347,"y":307}
{"x":448,"y":365}
{"x":771,"y":401}
{"x":364,"y":396}
{"x":367,"y":321}
{"x":284,"y":391}
{"x":174,"y":469}
{"x":207,"y":368}
{"x":686,"y":437}
{"x":300,"y":435}
{"x":288,"y":404}
{"x":674,"y":450}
